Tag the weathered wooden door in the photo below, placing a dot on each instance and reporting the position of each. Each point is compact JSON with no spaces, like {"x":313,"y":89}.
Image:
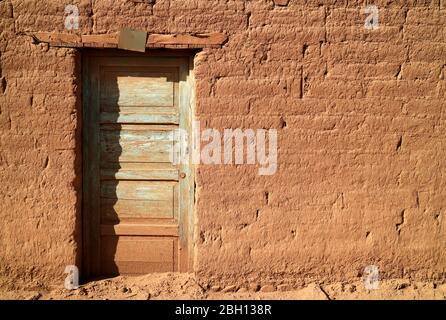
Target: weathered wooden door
{"x":137,"y":204}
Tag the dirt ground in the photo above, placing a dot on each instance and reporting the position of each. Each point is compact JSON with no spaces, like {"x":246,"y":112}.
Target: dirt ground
{"x":184,"y":286}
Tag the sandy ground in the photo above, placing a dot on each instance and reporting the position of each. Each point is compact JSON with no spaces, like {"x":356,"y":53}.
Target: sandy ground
{"x":184,"y":286}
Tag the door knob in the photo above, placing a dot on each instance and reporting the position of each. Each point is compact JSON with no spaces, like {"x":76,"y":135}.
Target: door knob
{"x":182,"y":175}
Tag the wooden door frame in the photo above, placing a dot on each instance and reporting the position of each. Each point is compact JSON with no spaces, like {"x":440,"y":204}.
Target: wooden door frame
{"x":90,"y":202}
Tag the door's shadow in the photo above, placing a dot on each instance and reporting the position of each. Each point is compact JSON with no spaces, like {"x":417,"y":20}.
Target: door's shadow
{"x":110,"y":149}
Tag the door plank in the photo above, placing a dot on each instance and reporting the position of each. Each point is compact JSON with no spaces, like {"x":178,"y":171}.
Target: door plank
{"x":138,"y":190}
{"x":138,"y":109}
{"x":130,"y":117}
{"x":140,"y":229}
{"x":134,"y":135}
{"x":136,"y":255}
{"x":137,"y":127}
{"x":120,"y":209}
{"x":136,"y":146}
{"x":139,"y":174}
{"x":137,"y":89}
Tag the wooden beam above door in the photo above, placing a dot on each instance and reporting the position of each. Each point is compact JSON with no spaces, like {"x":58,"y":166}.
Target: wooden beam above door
{"x":171,"y":41}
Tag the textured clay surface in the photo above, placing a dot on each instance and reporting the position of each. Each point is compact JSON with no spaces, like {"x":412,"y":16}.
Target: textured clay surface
{"x":361,"y":126}
{"x":185,"y":287}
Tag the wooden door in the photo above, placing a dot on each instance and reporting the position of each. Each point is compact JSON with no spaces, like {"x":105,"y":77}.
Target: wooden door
{"x":137,"y":204}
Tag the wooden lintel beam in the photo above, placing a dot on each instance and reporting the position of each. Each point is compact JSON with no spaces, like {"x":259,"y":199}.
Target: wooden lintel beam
{"x":209,"y":40}
{"x":281,"y":2}
{"x":216,"y":39}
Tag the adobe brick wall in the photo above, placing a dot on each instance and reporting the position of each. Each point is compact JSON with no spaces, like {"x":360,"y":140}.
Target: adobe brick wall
{"x":361,"y":127}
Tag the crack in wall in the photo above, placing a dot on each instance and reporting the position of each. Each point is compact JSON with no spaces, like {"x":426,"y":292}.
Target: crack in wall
{"x":399,"y":225}
{"x":399,"y":144}
{"x":266,"y":197}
